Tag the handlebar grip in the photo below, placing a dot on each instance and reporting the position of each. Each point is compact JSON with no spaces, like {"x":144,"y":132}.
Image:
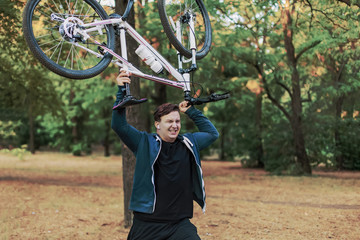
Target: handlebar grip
{"x":217,"y":97}
{"x":212,"y":98}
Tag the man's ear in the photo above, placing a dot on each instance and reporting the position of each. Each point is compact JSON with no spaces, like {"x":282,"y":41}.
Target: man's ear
{"x":157,"y":124}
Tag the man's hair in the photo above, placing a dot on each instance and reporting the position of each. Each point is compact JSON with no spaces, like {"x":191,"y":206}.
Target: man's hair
{"x":165,"y":109}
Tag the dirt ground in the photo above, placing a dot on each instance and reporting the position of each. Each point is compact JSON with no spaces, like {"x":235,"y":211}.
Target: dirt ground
{"x":58,"y":196}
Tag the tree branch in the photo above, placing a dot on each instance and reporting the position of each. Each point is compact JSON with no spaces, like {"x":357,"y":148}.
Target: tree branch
{"x":306,"y":49}
{"x":285,"y":87}
{"x":274,"y":101}
{"x":331,"y":20}
{"x":348,"y":2}
{"x":308,"y":99}
{"x":312,"y":14}
{"x":268,"y":93}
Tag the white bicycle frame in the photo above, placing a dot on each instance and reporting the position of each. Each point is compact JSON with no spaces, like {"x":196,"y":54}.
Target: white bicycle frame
{"x":183,"y":79}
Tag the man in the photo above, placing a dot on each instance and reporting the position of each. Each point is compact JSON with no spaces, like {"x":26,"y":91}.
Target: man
{"x":168,"y":175}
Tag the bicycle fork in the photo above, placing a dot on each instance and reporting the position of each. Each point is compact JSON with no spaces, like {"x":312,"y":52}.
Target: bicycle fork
{"x":186,"y":73}
{"x":124,"y":55}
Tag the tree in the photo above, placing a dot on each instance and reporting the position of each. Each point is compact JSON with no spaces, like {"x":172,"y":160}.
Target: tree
{"x":338,"y":59}
{"x":25,"y":87}
{"x":133,"y":117}
{"x":295,"y":118}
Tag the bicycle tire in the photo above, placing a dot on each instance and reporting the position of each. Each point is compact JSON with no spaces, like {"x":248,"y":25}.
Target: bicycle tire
{"x":202,"y":28}
{"x":54,"y":49}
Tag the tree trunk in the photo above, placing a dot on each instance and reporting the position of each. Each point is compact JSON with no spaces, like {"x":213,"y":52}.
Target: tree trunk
{"x":296,"y":123}
{"x":338,"y":153}
{"x":222,"y":145}
{"x":161,"y":96}
{"x":128,"y":163}
{"x":296,"y":104}
{"x":339,"y":158}
{"x":31,"y":127}
{"x":74,"y":130}
{"x":106,"y":140}
{"x":259,"y":147}
{"x":299,"y":142}
{"x":133,"y":118}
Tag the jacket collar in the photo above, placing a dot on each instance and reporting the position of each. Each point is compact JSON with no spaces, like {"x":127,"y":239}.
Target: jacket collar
{"x":157,"y":137}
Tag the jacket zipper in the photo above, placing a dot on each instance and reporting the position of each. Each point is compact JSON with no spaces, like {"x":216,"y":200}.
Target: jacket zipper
{"x":153,"y":173}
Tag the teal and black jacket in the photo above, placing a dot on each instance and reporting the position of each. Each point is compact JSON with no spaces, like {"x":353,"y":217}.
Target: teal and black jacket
{"x":147,"y":146}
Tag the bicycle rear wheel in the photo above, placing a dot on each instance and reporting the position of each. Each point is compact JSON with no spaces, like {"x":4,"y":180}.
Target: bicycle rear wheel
{"x":171,"y":11}
{"x":48,"y":26}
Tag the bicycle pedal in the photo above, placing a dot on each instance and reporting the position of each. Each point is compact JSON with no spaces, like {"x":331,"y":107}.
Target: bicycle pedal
{"x":129,"y":101}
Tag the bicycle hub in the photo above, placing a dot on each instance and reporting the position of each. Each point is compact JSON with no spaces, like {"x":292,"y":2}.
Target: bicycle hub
{"x":69,"y":29}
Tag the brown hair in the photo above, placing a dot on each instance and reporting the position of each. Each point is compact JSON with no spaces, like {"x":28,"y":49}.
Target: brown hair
{"x":165,"y":109}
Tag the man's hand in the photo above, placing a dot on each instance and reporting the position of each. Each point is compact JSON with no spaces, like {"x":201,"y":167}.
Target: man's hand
{"x":184,"y":105}
{"x":123,"y":78}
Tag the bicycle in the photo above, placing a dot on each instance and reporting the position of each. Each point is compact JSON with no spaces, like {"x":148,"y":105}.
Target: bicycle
{"x":76,"y":39}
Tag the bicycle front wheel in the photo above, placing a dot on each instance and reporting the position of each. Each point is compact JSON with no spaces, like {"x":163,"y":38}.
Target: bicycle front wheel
{"x":50,"y":30}
{"x":173,"y":11}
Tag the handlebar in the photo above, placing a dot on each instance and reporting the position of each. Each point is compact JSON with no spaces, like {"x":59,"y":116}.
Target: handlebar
{"x":212,"y":98}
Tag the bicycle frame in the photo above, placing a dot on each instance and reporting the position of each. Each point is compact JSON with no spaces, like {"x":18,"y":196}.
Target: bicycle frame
{"x":71,"y":63}
{"x":183,"y":79}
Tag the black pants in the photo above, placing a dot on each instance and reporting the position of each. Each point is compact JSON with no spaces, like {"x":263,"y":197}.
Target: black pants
{"x":182,"y":230}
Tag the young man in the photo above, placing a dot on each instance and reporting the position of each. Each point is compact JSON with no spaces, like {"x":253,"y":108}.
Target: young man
{"x":168,"y":175}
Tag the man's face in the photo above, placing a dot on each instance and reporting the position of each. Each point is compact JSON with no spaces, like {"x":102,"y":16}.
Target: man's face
{"x":169,"y":126}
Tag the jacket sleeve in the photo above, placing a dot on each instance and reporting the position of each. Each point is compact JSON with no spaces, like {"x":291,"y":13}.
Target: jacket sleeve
{"x":127,"y":133}
{"x":207,"y":132}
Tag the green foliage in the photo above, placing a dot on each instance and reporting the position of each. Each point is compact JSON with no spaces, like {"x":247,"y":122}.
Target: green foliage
{"x":8,"y":131}
{"x":348,"y":144}
{"x":19,"y":152}
{"x":277,"y":140}
{"x":83,"y":117}
{"x":26,"y":91}
{"x":248,"y":47}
